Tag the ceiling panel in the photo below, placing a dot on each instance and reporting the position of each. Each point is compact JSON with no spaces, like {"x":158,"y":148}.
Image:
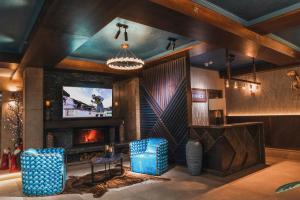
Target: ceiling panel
{"x":291,"y":34}
{"x":17,"y":18}
{"x":144,"y":41}
{"x":251,"y":9}
{"x":217,"y":57}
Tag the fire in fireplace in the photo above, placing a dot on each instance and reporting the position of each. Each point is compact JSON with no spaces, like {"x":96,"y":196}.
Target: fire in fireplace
{"x":89,"y":136}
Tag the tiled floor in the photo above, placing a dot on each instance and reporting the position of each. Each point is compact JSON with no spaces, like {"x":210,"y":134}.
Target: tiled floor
{"x":255,"y":186}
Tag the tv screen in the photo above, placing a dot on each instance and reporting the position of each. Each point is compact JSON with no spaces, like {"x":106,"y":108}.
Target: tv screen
{"x":84,"y":102}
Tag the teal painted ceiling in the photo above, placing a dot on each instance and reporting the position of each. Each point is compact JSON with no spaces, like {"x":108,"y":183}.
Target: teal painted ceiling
{"x":144,"y":41}
{"x":252,"y":9}
{"x":17,"y":18}
{"x":250,"y":12}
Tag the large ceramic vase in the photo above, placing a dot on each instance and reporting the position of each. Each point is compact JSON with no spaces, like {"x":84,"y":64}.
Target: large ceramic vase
{"x":194,"y":157}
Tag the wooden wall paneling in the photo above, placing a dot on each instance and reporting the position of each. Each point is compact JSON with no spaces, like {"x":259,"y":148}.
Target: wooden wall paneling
{"x":164,"y":105}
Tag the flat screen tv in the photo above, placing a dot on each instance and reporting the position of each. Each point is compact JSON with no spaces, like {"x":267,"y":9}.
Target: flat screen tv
{"x":85,"y":102}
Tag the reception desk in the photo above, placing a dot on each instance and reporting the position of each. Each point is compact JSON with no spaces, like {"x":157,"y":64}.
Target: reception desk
{"x":230,"y":148}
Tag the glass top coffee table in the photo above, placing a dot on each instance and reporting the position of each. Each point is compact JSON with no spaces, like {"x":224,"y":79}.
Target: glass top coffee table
{"x":116,"y":158}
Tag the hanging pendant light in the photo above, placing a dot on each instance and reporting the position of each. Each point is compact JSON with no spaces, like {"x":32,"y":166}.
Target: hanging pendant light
{"x":125,"y":60}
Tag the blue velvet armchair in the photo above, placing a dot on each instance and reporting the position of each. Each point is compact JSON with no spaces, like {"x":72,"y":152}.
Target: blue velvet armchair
{"x":43,"y":171}
{"x":149,"y":156}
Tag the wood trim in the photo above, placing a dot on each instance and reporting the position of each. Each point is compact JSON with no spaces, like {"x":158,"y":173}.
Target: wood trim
{"x":83,"y":65}
{"x":277,"y":23}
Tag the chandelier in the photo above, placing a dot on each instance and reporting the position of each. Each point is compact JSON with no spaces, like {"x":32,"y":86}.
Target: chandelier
{"x":125,"y":60}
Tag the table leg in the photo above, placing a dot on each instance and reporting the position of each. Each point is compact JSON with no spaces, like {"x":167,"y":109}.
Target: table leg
{"x":105,"y":169}
{"x":109,"y":169}
{"x":93,"y":175}
{"x":121,"y":166}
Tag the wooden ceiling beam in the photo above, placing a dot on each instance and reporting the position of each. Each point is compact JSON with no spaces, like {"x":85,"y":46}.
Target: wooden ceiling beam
{"x":277,"y":23}
{"x":203,"y":24}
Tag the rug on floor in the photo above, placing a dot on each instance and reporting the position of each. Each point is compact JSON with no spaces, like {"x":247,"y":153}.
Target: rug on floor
{"x":82,"y":184}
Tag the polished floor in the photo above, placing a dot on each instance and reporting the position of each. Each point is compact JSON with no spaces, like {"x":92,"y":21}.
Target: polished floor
{"x":254,"y":186}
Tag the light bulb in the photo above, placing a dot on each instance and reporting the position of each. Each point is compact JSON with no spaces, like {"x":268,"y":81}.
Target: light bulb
{"x":235,"y":86}
{"x":227,"y":83}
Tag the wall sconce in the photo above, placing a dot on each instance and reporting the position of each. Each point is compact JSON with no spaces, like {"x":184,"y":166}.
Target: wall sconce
{"x":47,"y":103}
{"x":116,"y":103}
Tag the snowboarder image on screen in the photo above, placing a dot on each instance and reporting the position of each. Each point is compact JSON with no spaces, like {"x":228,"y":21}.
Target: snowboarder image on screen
{"x":98,"y":101}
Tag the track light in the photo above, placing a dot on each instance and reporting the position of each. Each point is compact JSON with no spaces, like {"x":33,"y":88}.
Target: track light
{"x":172,"y":41}
{"x":126,"y":35}
{"x":118,"y":33}
{"x":124,"y":26}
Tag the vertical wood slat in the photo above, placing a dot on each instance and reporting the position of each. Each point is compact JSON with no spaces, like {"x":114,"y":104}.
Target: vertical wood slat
{"x":164,"y":105}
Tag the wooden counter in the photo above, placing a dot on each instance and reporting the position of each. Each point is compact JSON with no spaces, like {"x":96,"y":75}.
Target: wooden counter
{"x":230,"y":148}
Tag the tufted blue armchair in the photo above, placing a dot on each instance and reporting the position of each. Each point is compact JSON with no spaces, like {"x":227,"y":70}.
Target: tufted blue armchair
{"x":43,"y":171}
{"x":149,"y":156}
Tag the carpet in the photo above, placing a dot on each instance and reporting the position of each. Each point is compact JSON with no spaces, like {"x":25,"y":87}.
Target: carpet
{"x":82,"y":184}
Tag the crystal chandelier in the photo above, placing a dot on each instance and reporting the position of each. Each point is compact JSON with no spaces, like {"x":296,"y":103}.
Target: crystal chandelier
{"x":125,"y":60}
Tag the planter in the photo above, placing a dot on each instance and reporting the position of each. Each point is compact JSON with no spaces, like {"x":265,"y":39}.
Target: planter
{"x":194,"y":157}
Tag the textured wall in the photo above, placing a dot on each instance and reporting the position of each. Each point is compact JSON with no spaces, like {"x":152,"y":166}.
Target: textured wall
{"x":274,"y":97}
{"x":126,"y":93}
{"x":33,"y":107}
{"x":163,"y":97}
{"x":204,"y":79}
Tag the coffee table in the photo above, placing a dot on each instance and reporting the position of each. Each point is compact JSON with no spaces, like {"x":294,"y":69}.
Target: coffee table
{"x":106,"y":160}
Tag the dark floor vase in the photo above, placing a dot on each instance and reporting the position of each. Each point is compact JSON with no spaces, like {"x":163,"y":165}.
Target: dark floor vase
{"x":194,"y":157}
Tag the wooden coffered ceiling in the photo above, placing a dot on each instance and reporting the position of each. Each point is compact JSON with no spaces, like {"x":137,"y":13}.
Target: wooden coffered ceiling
{"x":62,"y":28}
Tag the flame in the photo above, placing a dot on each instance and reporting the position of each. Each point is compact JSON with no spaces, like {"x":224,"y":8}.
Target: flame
{"x":90,"y":136}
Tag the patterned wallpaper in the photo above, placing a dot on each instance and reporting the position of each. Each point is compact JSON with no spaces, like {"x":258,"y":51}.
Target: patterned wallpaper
{"x":274,"y":96}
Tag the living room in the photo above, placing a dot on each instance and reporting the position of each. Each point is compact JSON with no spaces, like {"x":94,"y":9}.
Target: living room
{"x":142,"y":99}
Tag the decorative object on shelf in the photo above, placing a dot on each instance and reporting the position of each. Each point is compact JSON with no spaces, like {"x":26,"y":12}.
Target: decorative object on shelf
{"x":43,"y":171}
{"x":125,"y":60}
{"x":14,"y":117}
{"x":5,"y":159}
{"x":149,"y":156}
{"x":295,"y":80}
{"x":109,"y":151}
{"x":15,"y":158}
{"x":199,"y":95}
{"x":194,"y":154}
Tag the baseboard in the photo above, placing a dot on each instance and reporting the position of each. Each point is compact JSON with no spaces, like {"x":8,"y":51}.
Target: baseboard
{"x":283,"y":153}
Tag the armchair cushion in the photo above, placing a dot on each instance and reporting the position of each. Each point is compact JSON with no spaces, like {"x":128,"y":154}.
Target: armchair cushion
{"x":144,"y":163}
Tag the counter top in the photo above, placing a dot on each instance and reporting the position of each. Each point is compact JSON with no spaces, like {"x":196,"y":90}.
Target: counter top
{"x":228,"y":125}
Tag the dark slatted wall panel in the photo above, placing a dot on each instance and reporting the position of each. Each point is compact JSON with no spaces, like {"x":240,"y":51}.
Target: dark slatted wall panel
{"x":163,"y":94}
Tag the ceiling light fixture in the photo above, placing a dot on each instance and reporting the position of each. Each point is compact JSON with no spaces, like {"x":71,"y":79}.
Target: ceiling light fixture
{"x":125,"y":27}
{"x":172,"y":42}
{"x":125,"y":60}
